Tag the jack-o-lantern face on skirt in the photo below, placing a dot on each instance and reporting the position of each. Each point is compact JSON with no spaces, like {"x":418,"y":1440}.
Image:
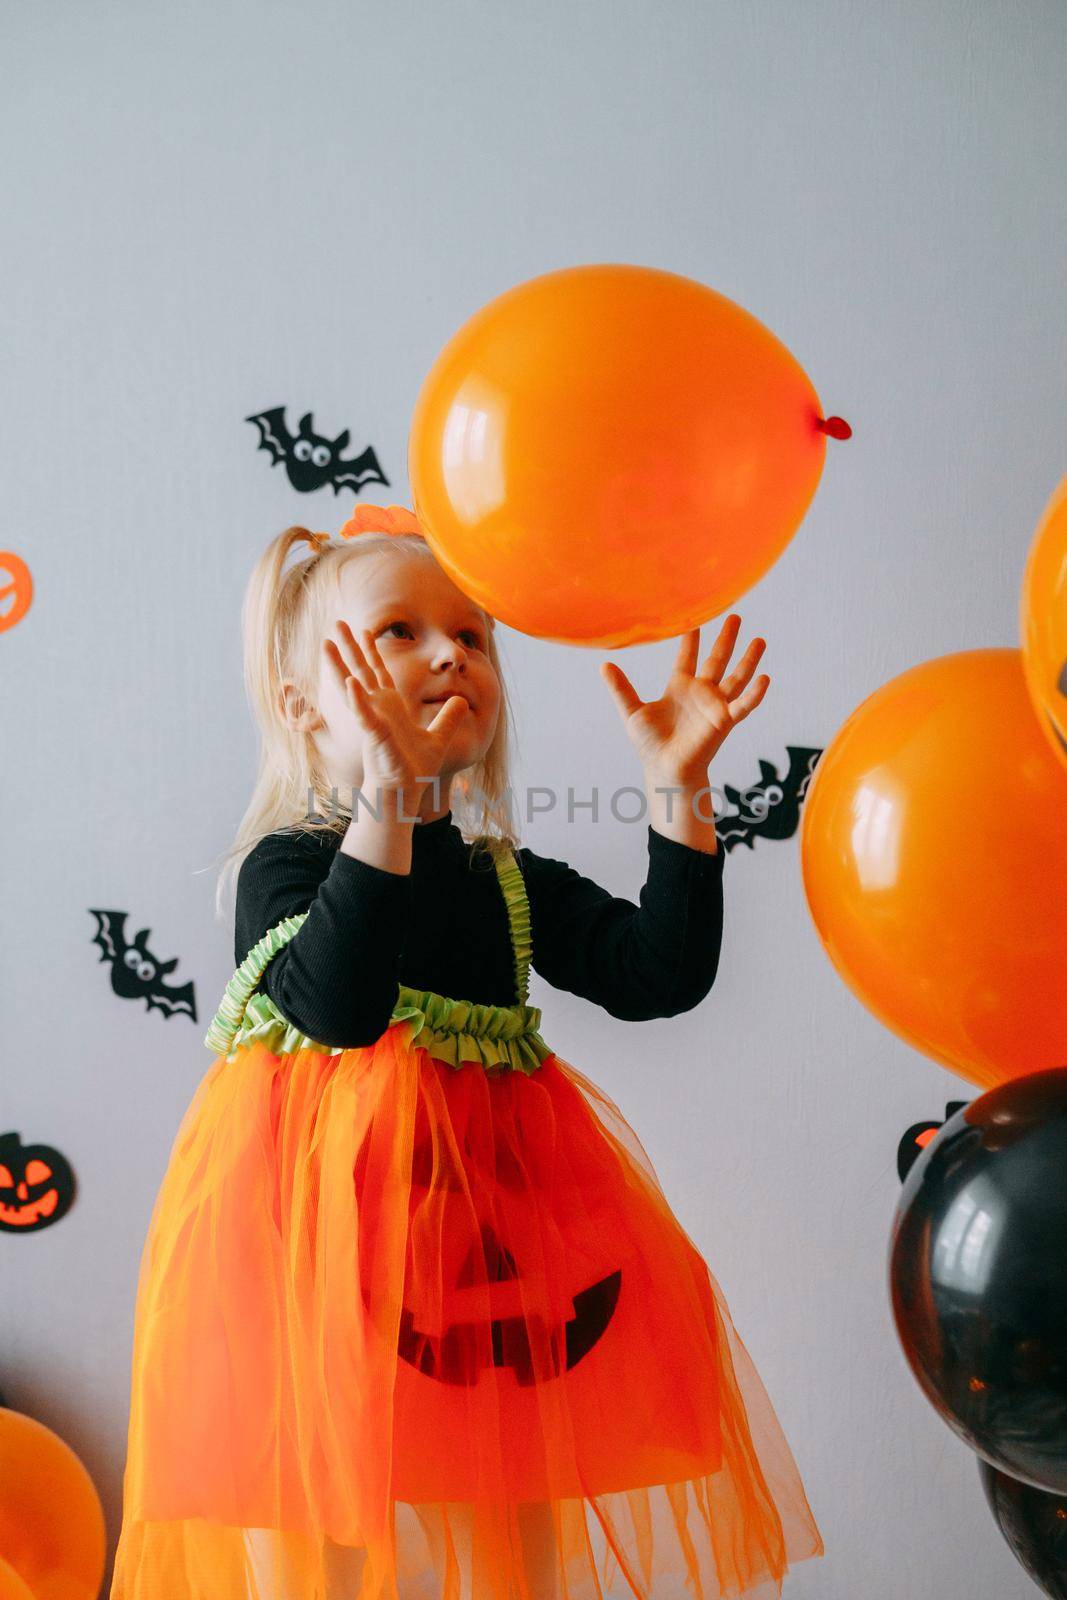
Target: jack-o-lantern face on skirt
{"x":478,"y":1260}
{"x":541,"y":1323}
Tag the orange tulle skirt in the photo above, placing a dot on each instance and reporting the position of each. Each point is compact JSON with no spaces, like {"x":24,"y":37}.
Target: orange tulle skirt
{"x":422,"y":1333}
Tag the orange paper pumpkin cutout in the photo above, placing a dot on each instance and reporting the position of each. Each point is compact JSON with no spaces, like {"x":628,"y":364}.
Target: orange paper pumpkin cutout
{"x":20,"y":586}
{"x":934,"y":857}
{"x":1043,"y":615}
{"x":611,"y":454}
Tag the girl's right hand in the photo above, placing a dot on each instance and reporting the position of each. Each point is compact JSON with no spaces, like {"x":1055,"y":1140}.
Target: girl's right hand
{"x":398,"y":752}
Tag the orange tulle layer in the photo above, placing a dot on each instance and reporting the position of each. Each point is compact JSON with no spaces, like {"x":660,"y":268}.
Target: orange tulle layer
{"x":422,"y":1333}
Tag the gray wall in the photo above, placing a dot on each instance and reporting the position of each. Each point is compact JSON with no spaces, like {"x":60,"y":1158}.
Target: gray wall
{"x":213,"y":209}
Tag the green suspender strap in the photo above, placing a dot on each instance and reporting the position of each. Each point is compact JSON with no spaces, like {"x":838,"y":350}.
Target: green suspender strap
{"x":501,"y":1038}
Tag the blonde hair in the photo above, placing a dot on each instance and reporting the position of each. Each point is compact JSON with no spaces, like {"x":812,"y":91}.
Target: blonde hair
{"x":283,"y":621}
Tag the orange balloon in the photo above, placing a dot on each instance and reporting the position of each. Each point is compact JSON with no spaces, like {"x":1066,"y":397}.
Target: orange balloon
{"x":1043,"y":614}
{"x":934,"y":854}
{"x":12,"y":1587}
{"x":51,"y":1520}
{"x":608,"y":455}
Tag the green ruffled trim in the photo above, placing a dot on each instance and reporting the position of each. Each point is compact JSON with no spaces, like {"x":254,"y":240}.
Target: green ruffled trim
{"x":457,"y":1031}
{"x":511,"y":882}
{"x":229,"y":1018}
{"x":500,"y":1038}
{"x":263,"y":1023}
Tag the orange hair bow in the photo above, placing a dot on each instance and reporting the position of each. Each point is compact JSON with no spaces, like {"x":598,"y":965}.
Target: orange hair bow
{"x":379,"y":519}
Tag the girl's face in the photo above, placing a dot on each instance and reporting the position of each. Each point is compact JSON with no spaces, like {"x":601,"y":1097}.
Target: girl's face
{"x":433,"y":641}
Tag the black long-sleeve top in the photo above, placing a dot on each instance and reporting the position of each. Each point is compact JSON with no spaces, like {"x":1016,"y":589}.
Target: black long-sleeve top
{"x":444,"y":926}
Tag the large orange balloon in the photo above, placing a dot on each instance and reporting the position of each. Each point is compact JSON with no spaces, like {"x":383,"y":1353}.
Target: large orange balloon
{"x":1043,"y":615}
{"x":51,"y":1520}
{"x":12,"y":1587}
{"x":611,"y":454}
{"x":934,"y":853}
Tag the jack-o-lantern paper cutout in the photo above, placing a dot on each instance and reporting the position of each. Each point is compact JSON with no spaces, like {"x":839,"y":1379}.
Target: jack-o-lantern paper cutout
{"x":1043,"y":618}
{"x":36,"y":1185}
{"x":915,"y":1139}
{"x":16,"y":582}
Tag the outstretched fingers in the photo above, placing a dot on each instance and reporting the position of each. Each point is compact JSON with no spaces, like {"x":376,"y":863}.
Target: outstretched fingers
{"x":688,"y":652}
{"x":740,"y":708}
{"x":338,"y":665}
{"x":374,"y":655}
{"x":626,"y":696}
{"x":722,"y":649}
{"x":742,"y":673}
{"x":346,"y":671}
{"x":362,"y":705}
{"x":359,"y":666}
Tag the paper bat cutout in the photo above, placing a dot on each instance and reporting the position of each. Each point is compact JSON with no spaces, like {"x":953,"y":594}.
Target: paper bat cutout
{"x":311,"y":460}
{"x":769,"y":809}
{"x":136,"y":973}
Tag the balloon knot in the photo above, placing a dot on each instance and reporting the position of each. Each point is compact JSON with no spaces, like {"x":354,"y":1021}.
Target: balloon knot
{"x":836,"y":427}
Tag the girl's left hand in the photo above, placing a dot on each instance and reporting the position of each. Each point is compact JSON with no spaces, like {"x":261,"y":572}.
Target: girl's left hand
{"x":677,"y":736}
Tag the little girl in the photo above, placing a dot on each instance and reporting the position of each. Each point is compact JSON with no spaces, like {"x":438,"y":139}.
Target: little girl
{"x":415,"y":1319}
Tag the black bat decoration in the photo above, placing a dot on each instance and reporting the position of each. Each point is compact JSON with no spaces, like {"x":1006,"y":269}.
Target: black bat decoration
{"x":136,"y":973}
{"x":311,"y":460}
{"x":918,"y":1136}
{"x":770,"y":809}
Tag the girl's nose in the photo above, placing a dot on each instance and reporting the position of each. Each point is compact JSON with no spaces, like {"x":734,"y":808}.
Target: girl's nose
{"x":449,"y":653}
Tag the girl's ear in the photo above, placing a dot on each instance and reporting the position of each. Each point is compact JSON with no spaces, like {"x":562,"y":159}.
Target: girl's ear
{"x":297,"y":709}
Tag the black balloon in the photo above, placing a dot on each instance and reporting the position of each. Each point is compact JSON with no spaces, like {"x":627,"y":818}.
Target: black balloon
{"x":1034,"y":1523}
{"x":978,"y":1276}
